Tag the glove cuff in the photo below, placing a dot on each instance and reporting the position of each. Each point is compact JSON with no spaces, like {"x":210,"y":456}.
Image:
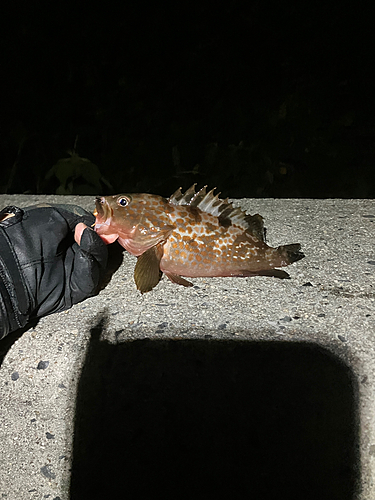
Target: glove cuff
{"x":13,"y":290}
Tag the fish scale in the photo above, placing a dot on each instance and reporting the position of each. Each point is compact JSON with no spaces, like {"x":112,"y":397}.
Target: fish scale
{"x":191,"y":234}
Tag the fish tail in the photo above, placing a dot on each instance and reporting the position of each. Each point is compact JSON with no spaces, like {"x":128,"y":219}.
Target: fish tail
{"x":290,"y":253}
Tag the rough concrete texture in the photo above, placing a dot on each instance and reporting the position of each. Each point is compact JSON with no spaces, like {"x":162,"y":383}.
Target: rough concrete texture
{"x":244,"y":387}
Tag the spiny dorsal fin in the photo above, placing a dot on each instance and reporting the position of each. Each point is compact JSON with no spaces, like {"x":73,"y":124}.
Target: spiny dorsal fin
{"x":212,"y":204}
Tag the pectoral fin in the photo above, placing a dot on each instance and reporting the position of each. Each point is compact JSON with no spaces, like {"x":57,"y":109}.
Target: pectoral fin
{"x":147,"y":272}
{"x":175,"y":278}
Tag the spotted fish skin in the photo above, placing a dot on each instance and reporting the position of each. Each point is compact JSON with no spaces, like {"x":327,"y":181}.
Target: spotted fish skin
{"x":191,"y":234}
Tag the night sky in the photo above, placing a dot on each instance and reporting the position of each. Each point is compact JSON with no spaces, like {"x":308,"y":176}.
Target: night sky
{"x":258,"y":98}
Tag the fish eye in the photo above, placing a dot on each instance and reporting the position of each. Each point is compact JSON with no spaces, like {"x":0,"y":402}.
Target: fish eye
{"x":123,"y":201}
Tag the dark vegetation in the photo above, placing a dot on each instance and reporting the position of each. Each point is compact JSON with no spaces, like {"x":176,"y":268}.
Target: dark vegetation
{"x":261,"y":99}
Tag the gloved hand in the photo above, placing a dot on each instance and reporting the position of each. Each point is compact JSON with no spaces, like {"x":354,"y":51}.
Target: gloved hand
{"x":43,"y":269}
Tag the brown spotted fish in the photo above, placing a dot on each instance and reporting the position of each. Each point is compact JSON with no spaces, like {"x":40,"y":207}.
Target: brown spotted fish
{"x":194,"y":234}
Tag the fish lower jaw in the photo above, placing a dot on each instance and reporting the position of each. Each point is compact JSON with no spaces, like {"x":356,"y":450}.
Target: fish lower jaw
{"x":108,"y":238}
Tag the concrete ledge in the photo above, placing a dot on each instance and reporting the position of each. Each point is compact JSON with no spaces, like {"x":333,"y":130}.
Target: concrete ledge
{"x":239,"y":386}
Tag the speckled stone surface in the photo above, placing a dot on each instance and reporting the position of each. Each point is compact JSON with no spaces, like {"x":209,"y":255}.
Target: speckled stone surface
{"x":273,"y":379}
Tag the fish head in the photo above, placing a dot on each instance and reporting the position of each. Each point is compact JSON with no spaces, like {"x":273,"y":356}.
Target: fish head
{"x":138,"y":221}
{"x":114,"y":218}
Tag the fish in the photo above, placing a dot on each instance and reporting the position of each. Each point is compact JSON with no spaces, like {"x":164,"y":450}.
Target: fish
{"x":191,"y":234}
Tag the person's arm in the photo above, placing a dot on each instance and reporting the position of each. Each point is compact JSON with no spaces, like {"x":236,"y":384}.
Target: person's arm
{"x":43,"y":269}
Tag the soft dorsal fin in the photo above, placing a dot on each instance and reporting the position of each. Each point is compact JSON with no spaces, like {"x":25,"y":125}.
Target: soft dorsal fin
{"x":223,"y":209}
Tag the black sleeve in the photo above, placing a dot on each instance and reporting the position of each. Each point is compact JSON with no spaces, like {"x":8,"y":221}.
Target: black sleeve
{"x":42,"y":269}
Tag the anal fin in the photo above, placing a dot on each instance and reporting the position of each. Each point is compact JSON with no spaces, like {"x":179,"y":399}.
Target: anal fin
{"x":147,"y":272}
{"x":175,"y":278}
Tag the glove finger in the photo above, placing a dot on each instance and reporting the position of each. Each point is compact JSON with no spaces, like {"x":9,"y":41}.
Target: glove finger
{"x":90,"y":261}
{"x":85,"y":278}
{"x":74,"y":214}
{"x":92,"y":243}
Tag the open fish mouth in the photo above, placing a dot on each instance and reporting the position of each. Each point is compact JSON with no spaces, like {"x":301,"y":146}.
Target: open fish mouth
{"x":103,"y":214}
{"x":103,"y":219}
{"x":102,"y":210}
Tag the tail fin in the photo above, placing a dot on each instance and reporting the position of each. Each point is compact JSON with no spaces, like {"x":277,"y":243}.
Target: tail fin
{"x":291,"y":253}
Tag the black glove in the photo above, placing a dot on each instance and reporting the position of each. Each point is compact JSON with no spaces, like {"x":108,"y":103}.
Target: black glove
{"x":42,"y":269}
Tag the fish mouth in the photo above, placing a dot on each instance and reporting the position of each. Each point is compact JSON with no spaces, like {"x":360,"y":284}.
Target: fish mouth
{"x":102,"y":210}
{"x":103,"y":219}
{"x":103,"y":213}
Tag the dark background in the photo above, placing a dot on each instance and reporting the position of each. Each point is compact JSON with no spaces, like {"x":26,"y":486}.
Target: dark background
{"x":258,"y":98}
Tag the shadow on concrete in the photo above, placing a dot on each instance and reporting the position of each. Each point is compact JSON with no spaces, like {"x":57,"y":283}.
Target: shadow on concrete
{"x":212,"y":419}
{"x":115,"y":258}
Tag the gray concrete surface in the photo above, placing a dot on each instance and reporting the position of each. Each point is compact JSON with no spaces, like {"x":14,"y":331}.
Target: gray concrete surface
{"x":300,"y":352}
